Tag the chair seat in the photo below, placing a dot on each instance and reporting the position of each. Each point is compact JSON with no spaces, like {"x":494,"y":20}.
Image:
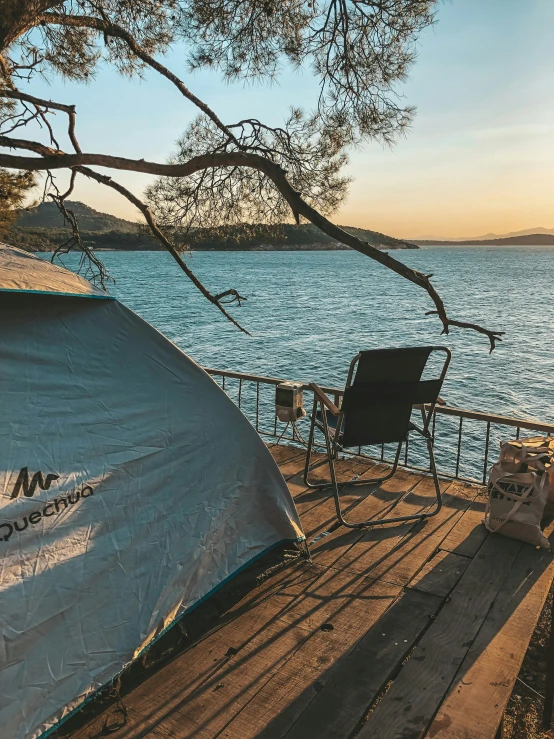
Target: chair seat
{"x":332,"y":423}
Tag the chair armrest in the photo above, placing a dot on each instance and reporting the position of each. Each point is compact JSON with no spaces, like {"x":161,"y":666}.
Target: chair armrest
{"x":441,"y":401}
{"x":320,"y":395}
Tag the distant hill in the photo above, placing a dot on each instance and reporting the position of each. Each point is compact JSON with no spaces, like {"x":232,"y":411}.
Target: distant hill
{"x":534,"y":239}
{"x":486,"y":238}
{"x":42,"y":229}
{"x":524,"y":232}
{"x":47,"y":215}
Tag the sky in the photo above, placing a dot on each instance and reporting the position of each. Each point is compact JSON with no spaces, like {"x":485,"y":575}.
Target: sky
{"x":478,"y":159}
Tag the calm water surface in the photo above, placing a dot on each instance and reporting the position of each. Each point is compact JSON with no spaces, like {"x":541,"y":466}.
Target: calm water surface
{"x":310,"y":312}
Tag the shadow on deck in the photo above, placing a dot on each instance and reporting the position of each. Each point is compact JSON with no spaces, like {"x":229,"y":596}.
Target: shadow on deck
{"x":398,"y":632}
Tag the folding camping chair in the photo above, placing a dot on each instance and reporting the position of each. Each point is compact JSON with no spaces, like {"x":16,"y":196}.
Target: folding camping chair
{"x":382,"y":387}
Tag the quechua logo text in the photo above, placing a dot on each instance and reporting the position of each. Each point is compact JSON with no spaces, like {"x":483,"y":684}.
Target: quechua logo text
{"x":26,"y":486}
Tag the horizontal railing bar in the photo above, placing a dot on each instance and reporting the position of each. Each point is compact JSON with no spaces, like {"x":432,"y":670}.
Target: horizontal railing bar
{"x":266,"y":380}
{"x":442,"y":409}
{"x":492,"y":418}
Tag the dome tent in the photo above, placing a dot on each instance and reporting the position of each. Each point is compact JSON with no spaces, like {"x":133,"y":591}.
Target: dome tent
{"x":131,"y":487}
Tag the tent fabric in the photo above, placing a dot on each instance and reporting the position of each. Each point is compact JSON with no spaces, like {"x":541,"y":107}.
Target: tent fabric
{"x":23,"y":272}
{"x":131,"y":486}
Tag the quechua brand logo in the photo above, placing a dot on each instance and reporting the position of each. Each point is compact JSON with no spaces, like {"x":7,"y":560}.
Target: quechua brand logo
{"x":29,"y":487}
{"x":53,"y":508}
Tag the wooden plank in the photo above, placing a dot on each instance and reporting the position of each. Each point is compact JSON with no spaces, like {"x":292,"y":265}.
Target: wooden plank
{"x":207,"y":710}
{"x":286,"y":696}
{"x":294,"y":465}
{"x":293,"y":471}
{"x":164,"y":690}
{"x":404,"y":560}
{"x":320,"y":518}
{"x":365,"y":503}
{"x":469,"y":533}
{"x":337,"y":707}
{"x":297,"y":486}
{"x":424,"y":680}
{"x":350,"y":611}
{"x":371,"y":551}
{"x":308,"y":499}
{"x":334,"y":590}
{"x":291,"y":579}
{"x":160,"y":694}
{"x":385,"y":494}
{"x":281,"y":453}
{"x":484,"y":682}
{"x":440,"y":573}
{"x":346,"y":468}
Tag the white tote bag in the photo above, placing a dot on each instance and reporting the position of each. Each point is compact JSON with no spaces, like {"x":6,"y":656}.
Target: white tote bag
{"x":517,"y":499}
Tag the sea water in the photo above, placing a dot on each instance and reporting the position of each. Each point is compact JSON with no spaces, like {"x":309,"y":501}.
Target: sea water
{"x":309,"y":313}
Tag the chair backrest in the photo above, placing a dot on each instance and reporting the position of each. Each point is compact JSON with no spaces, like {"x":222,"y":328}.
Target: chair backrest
{"x":382,"y":387}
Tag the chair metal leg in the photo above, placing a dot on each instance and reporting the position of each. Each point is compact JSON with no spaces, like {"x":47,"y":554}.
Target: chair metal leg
{"x":433,"y":466}
{"x":396,"y":519}
{"x":309,"y":450}
{"x":351,"y":483}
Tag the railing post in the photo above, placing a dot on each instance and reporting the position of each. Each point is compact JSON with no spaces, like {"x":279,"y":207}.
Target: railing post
{"x":459,"y":447}
{"x":485,"y":466}
{"x":240,"y":391}
{"x":257,"y":406}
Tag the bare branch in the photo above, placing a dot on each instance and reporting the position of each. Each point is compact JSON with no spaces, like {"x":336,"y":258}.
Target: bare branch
{"x":90,"y":264}
{"x":14,"y":94}
{"x":235,"y":296}
{"x":214,"y":299}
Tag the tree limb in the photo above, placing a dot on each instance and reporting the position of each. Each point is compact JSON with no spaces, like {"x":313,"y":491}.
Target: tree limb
{"x":275,"y":173}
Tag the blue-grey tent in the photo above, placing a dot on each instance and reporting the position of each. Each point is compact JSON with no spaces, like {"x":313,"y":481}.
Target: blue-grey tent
{"x":131,"y":487}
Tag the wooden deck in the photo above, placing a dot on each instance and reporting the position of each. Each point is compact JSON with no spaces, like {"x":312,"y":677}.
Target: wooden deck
{"x":399,"y":632}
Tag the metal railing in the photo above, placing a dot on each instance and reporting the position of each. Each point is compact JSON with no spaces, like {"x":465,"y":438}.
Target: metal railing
{"x":463,"y":439}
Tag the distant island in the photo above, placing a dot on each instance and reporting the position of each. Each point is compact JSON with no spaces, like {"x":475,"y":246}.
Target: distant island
{"x":536,"y":236}
{"x":535,"y":239}
{"x":41,"y":229}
